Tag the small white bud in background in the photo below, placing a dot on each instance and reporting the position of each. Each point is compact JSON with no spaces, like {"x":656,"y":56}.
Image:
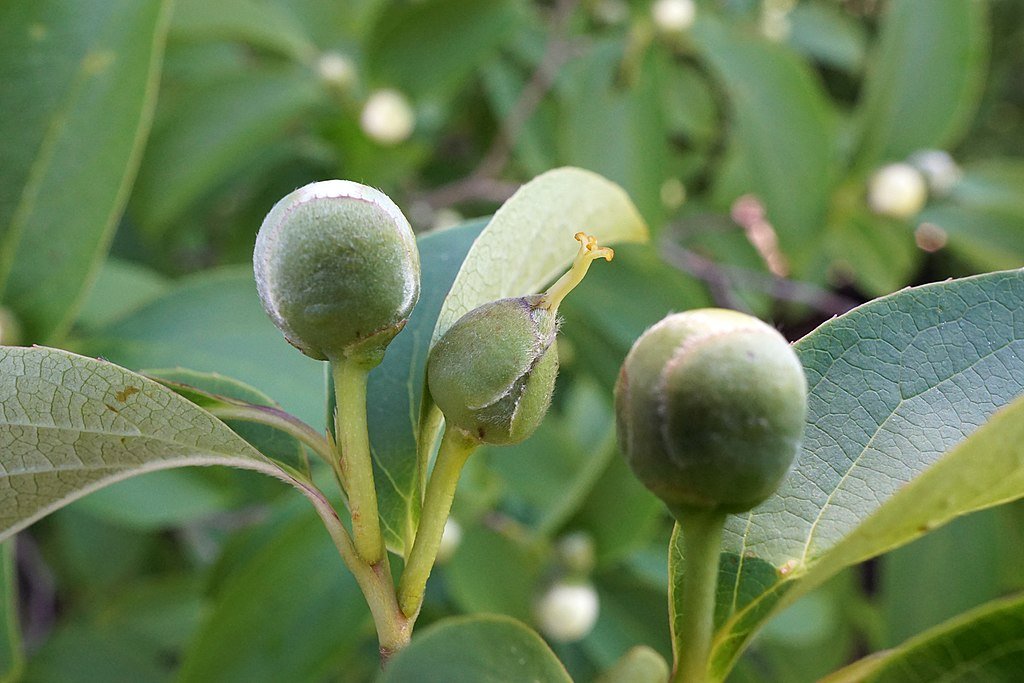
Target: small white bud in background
{"x":451,"y":537}
{"x":446,"y":218}
{"x":939,"y":169}
{"x":388,"y":117}
{"x":673,"y":194}
{"x":576,"y":552}
{"x":673,"y":16}
{"x":568,"y":612}
{"x":897,"y":190}
{"x":336,"y":70}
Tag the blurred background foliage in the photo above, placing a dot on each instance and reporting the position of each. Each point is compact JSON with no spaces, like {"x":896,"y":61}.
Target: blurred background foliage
{"x":757,"y":137}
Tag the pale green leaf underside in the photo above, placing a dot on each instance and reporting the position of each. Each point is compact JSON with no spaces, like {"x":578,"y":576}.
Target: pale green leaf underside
{"x":985,"y":644}
{"x":530,"y":239}
{"x":896,"y":386}
{"x":70,"y":425}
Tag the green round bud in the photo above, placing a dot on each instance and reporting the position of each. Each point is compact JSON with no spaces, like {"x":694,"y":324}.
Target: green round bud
{"x":493,"y":372}
{"x":710,"y":407}
{"x":337,"y":270}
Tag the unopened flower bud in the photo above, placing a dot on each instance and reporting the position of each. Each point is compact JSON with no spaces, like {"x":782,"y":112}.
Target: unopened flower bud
{"x":673,"y":16}
{"x":493,"y":372}
{"x":710,"y":407}
{"x":338,"y":270}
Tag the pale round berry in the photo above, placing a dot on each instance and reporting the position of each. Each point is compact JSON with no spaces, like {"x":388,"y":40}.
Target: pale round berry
{"x":567,"y":612}
{"x":897,"y":190}
{"x":673,"y":16}
{"x":388,"y":117}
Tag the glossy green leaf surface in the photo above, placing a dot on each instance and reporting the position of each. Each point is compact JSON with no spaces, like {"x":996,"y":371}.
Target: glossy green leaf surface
{"x":76,"y":78}
{"x":215,"y":130}
{"x":11,"y":654}
{"x":433,"y":47}
{"x":639,"y":665}
{"x":783,"y":129}
{"x":70,"y":425}
{"x":483,"y":649}
{"x":899,"y":440}
{"x":925,"y":77}
{"x":260,"y":24}
{"x":395,"y":389}
{"x":289,"y":612}
{"x":981,"y":645}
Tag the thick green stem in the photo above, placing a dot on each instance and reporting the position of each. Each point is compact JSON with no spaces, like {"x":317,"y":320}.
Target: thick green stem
{"x":702,"y":541}
{"x":393,"y":628}
{"x":455,"y":449}
{"x":354,"y":460}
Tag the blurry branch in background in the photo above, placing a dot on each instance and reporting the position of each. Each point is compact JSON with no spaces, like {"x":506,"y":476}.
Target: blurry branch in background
{"x":722,"y":279}
{"x":483,"y":182}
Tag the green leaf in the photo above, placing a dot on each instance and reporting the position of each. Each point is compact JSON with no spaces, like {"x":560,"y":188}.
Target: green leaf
{"x":829,"y":34}
{"x":259,"y":24}
{"x":494,"y":571}
{"x":318,"y":617}
{"x":925,"y":78}
{"x":70,"y":425}
{"x":640,"y":665}
{"x":77,"y":78}
{"x":615,"y":130}
{"x":981,"y":645}
{"x":120,"y":288}
{"x":894,"y":445}
{"x":527,"y":243}
{"x":395,"y":389}
{"x":434,"y":47}
{"x":211,"y":131}
{"x":984,"y":215}
{"x":477,"y":648}
{"x":783,"y":126}
{"x":530,"y":241}
{"x":213,"y":322}
{"x":12,"y":657}
{"x":554,"y":488}
{"x":876,"y":253}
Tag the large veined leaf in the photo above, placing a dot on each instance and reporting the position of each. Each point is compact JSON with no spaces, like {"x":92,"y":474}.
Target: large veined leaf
{"x":526,"y":244}
{"x":925,"y":78}
{"x":478,"y":648}
{"x":982,"y":645}
{"x":78,"y":83}
{"x":530,"y":239}
{"x":70,"y":425}
{"x":900,"y":389}
{"x":783,"y":130}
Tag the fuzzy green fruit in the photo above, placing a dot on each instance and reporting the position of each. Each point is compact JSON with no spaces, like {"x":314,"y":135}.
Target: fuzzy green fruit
{"x":710,"y":407}
{"x":493,"y":372}
{"x":337,"y":270}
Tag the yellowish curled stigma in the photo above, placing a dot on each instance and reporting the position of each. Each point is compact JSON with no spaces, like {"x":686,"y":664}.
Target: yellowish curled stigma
{"x":588,"y":253}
